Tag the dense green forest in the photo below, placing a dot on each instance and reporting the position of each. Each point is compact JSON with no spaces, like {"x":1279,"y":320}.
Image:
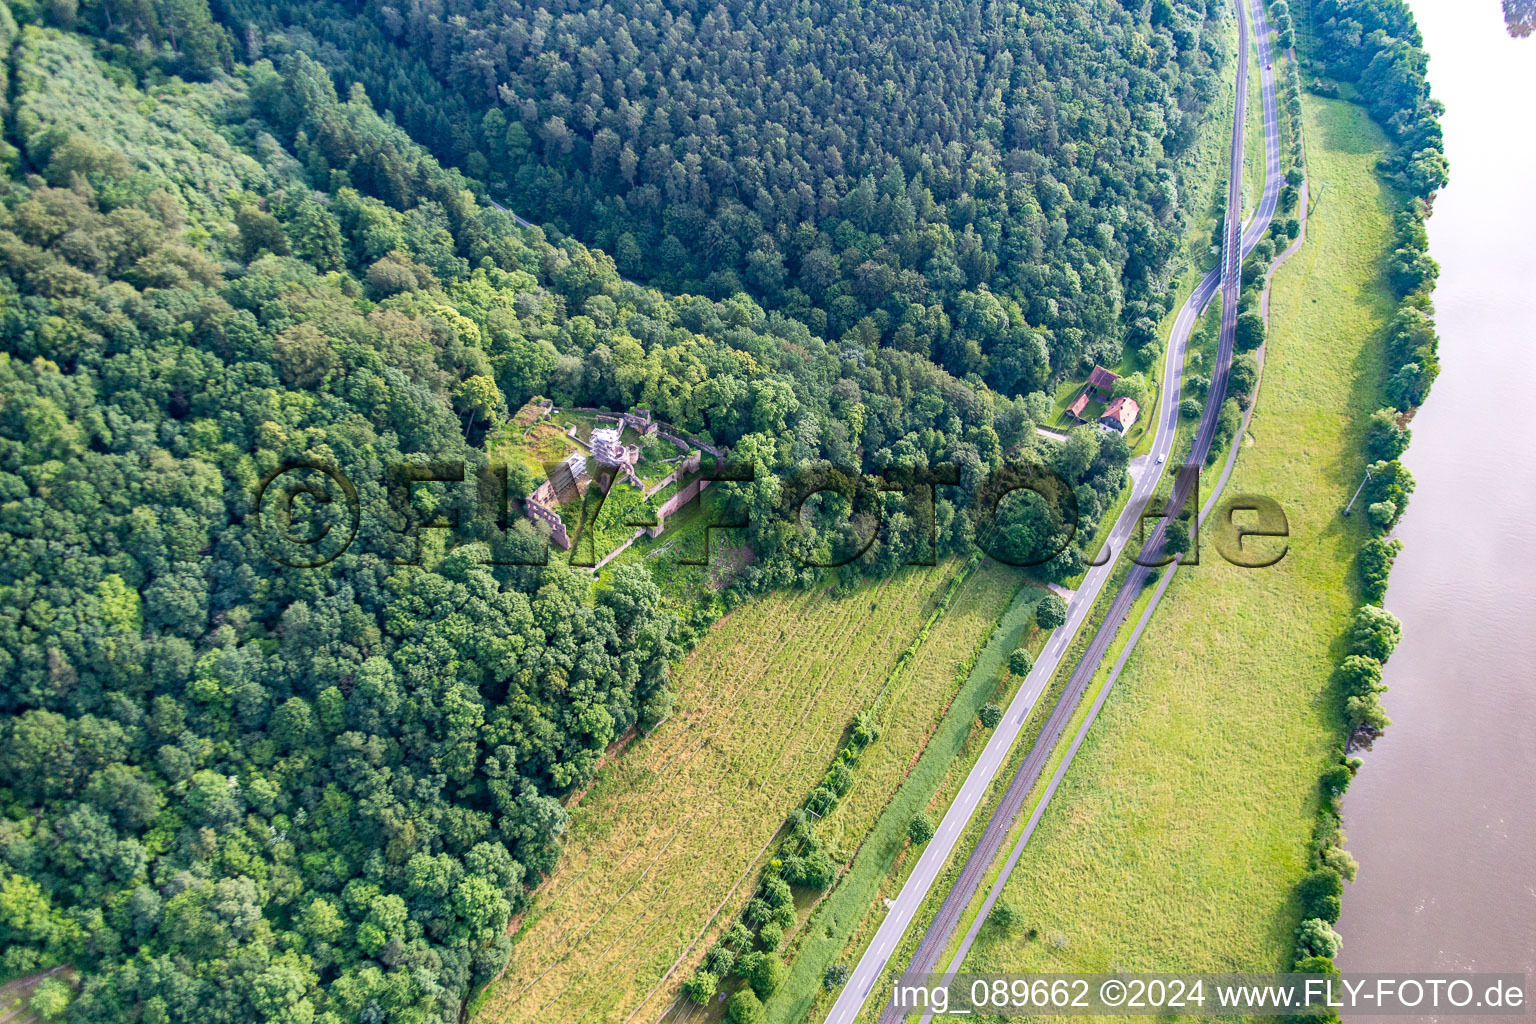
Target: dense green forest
{"x":993,"y":185}
{"x":232,"y":790}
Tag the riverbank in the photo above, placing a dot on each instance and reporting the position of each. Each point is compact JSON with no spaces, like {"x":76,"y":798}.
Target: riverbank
{"x":1446,"y":857}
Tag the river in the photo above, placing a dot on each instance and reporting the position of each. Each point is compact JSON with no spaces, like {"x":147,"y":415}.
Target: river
{"x":1443,"y":816}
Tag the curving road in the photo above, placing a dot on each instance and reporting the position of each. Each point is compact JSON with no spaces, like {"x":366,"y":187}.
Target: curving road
{"x":521,"y":222}
{"x":1146,"y":474}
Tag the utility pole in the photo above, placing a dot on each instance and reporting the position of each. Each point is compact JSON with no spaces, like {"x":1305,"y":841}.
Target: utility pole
{"x":1357,"y":493}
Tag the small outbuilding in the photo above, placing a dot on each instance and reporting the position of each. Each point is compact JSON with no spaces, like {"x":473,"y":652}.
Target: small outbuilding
{"x":1101,"y":382}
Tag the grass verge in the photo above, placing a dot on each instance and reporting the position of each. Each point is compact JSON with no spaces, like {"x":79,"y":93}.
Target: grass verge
{"x":1253,"y":136}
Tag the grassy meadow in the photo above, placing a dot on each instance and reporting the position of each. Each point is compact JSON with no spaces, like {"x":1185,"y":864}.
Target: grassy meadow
{"x":1182,"y":824}
{"x":665,"y":846}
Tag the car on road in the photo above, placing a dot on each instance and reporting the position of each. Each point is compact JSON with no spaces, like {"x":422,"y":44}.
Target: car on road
{"x":1162,"y":459}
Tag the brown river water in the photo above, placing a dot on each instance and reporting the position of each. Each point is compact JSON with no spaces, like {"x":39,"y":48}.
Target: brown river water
{"x":1443,"y":816}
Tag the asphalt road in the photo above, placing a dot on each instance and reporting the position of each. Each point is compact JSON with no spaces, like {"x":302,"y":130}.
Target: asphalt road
{"x":1146,"y":474}
{"x":520,"y":221}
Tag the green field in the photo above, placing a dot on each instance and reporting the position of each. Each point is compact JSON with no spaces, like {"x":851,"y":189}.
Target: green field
{"x":917,"y":699}
{"x":669,"y":838}
{"x":1182,"y":824}
{"x":880,"y":868}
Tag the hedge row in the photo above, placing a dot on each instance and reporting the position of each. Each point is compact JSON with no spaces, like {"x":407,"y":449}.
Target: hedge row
{"x":1412,"y":366}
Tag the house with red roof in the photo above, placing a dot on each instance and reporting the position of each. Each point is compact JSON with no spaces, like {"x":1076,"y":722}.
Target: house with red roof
{"x":1120,"y":414}
{"x":1101,"y":382}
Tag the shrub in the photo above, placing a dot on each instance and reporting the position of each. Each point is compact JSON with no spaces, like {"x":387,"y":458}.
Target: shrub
{"x":1335,"y":781}
{"x":720,"y":961}
{"x":1316,"y":938}
{"x":1382,"y":514}
{"x":835,"y":976}
{"x":767,"y":975}
{"x":50,"y":998}
{"x":770,"y":935}
{"x":1050,"y":612}
{"x":816,"y":872}
{"x":1408,"y":386}
{"x":1250,"y":332}
{"x":1340,"y":860}
{"x":658,"y":708}
{"x":839,"y":779}
{"x":1176,"y":539}
{"x":1384,"y":439}
{"x":864,"y":731}
{"x":1375,"y":562}
{"x":1320,"y":891}
{"x":758,"y":911}
{"x":747,"y":963}
{"x":701,"y":987}
{"x":745,"y":1008}
{"x":1375,"y":633}
{"x":776,"y":892}
{"x":1245,"y":374}
{"x":1190,"y":408}
{"x":1020,"y":661}
{"x":1004,"y":918}
{"x":738,"y":936}
{"x":1253,"y":291}
{"x":1133,"y":386}
{"x":1365,"y":714}
{"x":1360,"y":676}
{"x":920,"y":830}
{"x":1315,"y":965}
{"x":990,"y":715}
{"x":1390,"y":481}
{"x":1228,"y":420}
